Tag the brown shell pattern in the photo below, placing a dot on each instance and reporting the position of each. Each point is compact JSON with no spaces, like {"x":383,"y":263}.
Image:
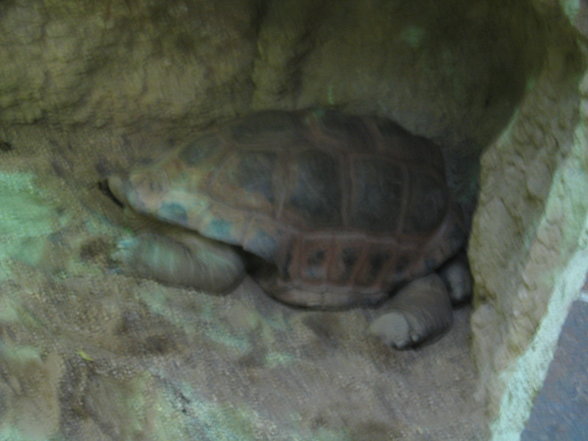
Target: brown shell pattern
{"x":331,"y":199}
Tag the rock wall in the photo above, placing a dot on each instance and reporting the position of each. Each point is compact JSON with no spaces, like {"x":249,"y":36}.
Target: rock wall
{"x":453,"y":76}
{"x":529,"y":244}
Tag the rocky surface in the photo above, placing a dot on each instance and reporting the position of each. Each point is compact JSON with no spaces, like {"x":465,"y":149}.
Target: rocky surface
{"x":529,"y":244}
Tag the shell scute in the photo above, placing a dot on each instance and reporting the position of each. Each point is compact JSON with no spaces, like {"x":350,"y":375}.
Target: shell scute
{"x":314,"y":195}
{"x":245,"y":180}
{"x":377,"y":195}
{"x":427,"y":204}
{"x":202,"y":149}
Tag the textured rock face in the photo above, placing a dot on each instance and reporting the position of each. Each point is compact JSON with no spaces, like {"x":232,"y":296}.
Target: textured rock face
{"x":90,"y":86}
{"x":121,"y":62}
{"x":529,"y":244}
{"x":454,"y":77}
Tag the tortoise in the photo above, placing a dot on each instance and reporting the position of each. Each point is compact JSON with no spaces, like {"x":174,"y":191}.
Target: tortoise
{"x":335,"y":210}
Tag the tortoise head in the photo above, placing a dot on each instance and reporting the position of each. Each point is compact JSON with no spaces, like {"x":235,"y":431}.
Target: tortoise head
{"x":145,"y":191}
{"x":113,"y":187}
{"x":120,"y":190}
{"x":136,"y":190}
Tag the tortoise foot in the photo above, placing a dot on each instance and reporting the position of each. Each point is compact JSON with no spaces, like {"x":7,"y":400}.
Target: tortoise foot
{"x":420,"y":311}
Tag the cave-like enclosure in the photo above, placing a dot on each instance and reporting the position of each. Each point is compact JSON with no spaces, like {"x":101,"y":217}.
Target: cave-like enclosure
{"x":87,"y":88}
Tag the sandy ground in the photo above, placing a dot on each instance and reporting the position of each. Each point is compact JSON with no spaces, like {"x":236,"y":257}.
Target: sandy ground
{"x":89,"y":353}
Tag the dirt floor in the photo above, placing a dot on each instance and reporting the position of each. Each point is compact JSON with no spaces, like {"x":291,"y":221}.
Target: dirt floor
{"x":90,"y":353}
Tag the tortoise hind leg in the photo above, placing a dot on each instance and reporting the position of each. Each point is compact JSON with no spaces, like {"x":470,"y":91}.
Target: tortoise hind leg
{"x":458,"y":279}
{"x":183,"y":259}
{"x":419,"y":311}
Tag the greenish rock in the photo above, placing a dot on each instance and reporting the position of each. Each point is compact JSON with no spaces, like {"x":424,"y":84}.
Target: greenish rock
{"x":26,"y":221}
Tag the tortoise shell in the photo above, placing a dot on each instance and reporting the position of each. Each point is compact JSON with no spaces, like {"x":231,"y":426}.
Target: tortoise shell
{"x":332,"y":200}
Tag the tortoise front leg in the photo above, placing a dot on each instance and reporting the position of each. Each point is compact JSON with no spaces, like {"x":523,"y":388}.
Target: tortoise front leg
{"x":183,"y":259}
{"x":419,"y":311}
